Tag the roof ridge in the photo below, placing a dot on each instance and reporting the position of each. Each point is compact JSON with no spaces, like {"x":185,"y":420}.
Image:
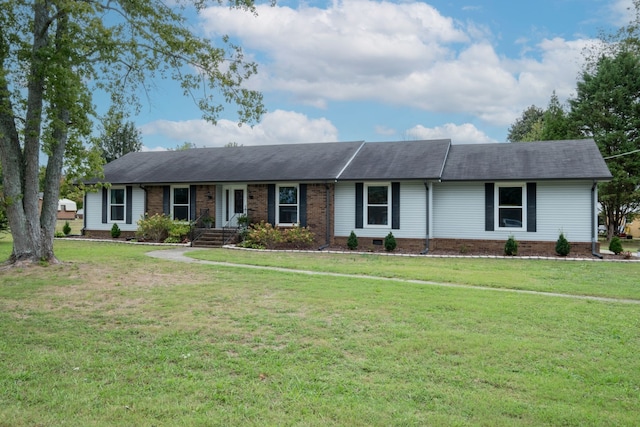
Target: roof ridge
{"x":350,"y":160}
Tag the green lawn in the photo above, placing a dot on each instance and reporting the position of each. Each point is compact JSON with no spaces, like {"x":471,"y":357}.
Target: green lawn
{"x":113,"y":337}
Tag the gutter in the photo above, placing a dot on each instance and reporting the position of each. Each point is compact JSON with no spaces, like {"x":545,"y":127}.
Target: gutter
{"x":594,"y":234}
{"x":328,"y":220}
{"x":426,"y":248}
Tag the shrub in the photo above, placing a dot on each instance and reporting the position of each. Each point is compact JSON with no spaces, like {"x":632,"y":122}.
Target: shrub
{"x":154,"y":228}
{"x":298,"y":237}
{"x":615,"y":245}
{"x":178,"y":232}
{"x":115,"y":231}
{"x":390,"y":242}
{"x":562,"y":246}
{"x":66,"y":229}
{"x":511,"y":247}
{"x":263,"y":235}
{"x":352,"y":241}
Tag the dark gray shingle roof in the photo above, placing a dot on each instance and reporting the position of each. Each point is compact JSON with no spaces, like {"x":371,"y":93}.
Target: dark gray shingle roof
{"x":291,"y":162}
{"x":398,"y":160}
{"x":348,"y":161}
{"x":572,"y":159}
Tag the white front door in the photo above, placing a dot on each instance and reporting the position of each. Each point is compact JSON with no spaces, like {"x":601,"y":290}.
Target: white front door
{"x":234,"y":204}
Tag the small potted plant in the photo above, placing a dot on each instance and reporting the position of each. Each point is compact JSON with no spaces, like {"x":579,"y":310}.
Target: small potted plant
{"x":243,"y":221}
{"x":208,"y":221}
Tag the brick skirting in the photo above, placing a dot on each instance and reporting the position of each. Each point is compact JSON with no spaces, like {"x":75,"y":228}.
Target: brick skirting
{"x":106,"y":234}
{"x":496,"y":247}
{"x":467,"y":247}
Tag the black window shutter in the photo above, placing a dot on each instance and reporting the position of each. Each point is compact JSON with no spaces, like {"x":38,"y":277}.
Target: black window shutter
{"x":105,"y":205}
{"x":166,"y":200}
{"x":489,"y":203}
{"x":531,"y":207}
{"x":359,"y":204}
{"x":395,"y":205}
{"x":129,"y":202}
{"x":192,"y":202}
{"x":303,"y":205}
{"x":271,"y":204}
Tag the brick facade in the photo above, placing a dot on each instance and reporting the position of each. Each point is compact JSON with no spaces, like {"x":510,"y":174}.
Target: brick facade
{"x":155,"y":196}
{"x":258,"y":208}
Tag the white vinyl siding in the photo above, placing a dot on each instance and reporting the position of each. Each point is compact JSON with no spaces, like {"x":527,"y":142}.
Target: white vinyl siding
{"x":459,"y":210}
{"x":412,"y":212}
{"x":93,"y":211}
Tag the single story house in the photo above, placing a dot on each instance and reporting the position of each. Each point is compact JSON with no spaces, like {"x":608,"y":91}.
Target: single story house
{"x":432,"y":195}
{"x":67,"y":209}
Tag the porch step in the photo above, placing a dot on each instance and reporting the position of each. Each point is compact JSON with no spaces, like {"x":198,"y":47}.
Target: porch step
{"x":214,"y":237}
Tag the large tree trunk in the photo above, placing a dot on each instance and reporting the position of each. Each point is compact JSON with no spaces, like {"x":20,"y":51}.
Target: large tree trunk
{"x":21,"y":164}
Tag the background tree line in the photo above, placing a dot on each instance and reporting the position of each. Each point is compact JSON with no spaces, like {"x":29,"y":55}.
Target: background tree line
{"x":605,"y":107}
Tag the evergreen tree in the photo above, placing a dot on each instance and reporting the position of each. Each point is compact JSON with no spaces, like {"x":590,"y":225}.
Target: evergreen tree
{"x":119,"y":137}
{"x":524,"y":126}
{"x":607,"y":108}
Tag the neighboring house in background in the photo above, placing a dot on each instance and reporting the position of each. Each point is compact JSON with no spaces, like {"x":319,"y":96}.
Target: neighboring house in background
{"x":67,"y":209}
{"x":431,"y":195}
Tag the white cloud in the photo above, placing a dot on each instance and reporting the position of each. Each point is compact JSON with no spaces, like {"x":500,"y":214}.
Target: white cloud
{"x":459,"y":134}
{"x":278,"y":127}
{"x":403,"y":54}
{"x":622,"y":12}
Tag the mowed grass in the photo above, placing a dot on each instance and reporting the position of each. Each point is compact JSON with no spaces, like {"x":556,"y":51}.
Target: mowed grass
{"x":588,"y":277}
{"x":113,"y":337}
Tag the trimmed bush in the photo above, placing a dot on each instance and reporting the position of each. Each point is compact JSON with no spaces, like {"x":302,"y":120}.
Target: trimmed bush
{"x":115,"y":231}
{"x":352,"y":241}
{"x":511,"y":247}
{"x":562,"y":246}
{"x":263,"y":235}
{"x":154,"y":228}
{"x":178,"y":232}
{"x":615,"y":245}
{"x":390,"y":242}
{"x":66,"y":229}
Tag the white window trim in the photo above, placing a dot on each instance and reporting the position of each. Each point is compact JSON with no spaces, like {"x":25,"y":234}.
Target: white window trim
{"x":188,"y":204}
{"x":365,"y":205}
{"x":523,"y":207}
{"x":124,"y":206}
{"x":297,"y":204}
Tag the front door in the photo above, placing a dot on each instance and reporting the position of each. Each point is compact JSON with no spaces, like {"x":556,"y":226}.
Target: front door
{"x":234,"y":205}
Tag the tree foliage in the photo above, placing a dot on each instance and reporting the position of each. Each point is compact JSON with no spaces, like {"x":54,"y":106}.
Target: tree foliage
{"x":55,"y":54}
{"x":526,"y":126}
{"x":537,"y":124}
{"x":119,"y":137}
{"x":556,"y":122}
{"x":607,"y":108}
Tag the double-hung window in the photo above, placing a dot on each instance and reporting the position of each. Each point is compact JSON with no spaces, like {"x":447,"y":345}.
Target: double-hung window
{"x":377,"y":197}
{"x":180,"y":203}
{"x":287,"y":204}
{"x":117,"y":204}
{"x":511,"y":210}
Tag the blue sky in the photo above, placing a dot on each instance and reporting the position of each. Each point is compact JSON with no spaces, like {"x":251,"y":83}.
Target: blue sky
{"x":390,"y":71}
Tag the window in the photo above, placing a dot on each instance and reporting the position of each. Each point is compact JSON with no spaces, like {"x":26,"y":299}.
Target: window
{"x":377,"y":204}
{"x":180,"y":207}
{"x":511,"y":211}
{"x":117,"y":204}
{"x":287,"y":204}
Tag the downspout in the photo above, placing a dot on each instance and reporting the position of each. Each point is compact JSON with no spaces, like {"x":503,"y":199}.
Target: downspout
{"x":145,"y":196}
{"x":594,"y":234}
{"x":84,"y":215}
{"x":327,"y":221}
{"x":426,"y":248}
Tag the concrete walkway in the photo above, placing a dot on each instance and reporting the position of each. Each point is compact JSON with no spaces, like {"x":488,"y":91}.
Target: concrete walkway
{"x":179,"y":254}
